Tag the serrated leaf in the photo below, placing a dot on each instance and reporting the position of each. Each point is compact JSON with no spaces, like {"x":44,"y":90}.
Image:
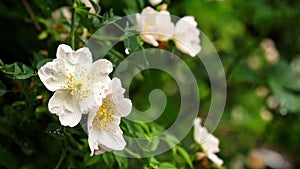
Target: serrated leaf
{"x":25,"y":73}
{"x":185,"y":155}
{"x":109,"y":17}
{"x":2,"y":88}
{"x":55,"y":130}
{"x":92,"y":160}
{"x":166,"y":165}
{"x":96,"y":21}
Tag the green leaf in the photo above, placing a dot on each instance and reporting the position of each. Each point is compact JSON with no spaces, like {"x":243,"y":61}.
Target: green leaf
{"x":154,"y":144}
{"x":96,"y":21}
{"x":108,"y":159}
{"x":287,"y":99}
{"x":131,"y":44}
{"x":109,"y":17}
{"x":17,"y":69}
{"x":92,"y":160}
{"x":82,"y":10}
{"x":122,"y":162}
{"x":166,"y":165}
{"x":7,"y":159}
{"x":25,"y":73}
{"x":42,"y":63}
{"x":171,"y":140}
{"x":95,"y":6}
{"x":185,"y":155}
{"x":3,"y":89}
{"x":55,"y":130}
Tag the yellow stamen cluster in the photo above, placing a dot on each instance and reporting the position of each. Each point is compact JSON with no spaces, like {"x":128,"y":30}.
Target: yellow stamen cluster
{"x":104,"y":115}
{"x":76,"y":86}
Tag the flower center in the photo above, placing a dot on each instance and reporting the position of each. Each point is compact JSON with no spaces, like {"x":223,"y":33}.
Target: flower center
{"x":76,"y":84}
{"x":104,"y":114}
{"x":148,"y":24}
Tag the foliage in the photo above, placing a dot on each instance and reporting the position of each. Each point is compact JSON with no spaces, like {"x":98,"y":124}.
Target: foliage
{"x":263,"y":93}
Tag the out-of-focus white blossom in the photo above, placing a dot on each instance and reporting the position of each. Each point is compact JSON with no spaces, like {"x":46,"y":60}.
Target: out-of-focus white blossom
{"x":271,"y":53}
{"x":208,"y":142}
{"x":186,"y":36}
{"x":154,"y":26}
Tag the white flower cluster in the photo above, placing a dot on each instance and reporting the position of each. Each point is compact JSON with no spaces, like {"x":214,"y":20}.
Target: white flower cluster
{"x":208,"y":142}
{"x":155,"y":27}
{"x":82,"y":86}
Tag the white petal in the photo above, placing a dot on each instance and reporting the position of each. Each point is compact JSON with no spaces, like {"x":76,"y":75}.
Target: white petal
{"x":208,"y":142}
{"x":150,"y":39}
{"x":83,"y":56}
{"x":62,"y":104}
{"x":116,"y":86}
{"x":148,"y":10}
{"x":155,"y":2}
{"x":197,"y":130}
{"x":63,"y":51}
{"x":211,"y":144}
{"x":184,"y":47}
{"x":186,"y":36}
{"x":146,"y":24}
{"x":215,"y":159}
{"x":124,"y":107}
{"x":101,"y":66}
{"x":53,"y":74}
{"x":85,"y":105}
{"x":101,"y":139}
{"x":91,"y":116}
{"x":165,"y":28}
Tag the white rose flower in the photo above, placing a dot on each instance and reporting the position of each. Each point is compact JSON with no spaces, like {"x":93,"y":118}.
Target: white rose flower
{"x":104,"y":133}
{"x":154,"y":26}
{"x":186,"y":36}
{"x":208,"y":142}
{"x":78,"y":83}
{"x":155,"y":2}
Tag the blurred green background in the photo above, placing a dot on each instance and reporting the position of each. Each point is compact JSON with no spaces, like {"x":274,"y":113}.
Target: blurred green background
{"x":258,"y":42}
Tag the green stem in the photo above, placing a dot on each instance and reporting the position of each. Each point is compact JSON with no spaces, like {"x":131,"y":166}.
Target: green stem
{"x":61,"y":158}
{"x":132,"y":153}
{"x":73,"y":24}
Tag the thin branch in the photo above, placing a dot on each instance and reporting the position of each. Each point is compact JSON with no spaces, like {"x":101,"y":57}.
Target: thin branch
{"x":32,"y":15}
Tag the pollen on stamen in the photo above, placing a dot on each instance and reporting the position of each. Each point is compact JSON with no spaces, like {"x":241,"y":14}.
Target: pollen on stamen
{"x":104,"y":115}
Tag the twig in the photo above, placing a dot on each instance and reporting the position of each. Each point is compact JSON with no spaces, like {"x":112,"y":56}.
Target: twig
{"x":32,"y":15}
{"x":73,"y":24}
